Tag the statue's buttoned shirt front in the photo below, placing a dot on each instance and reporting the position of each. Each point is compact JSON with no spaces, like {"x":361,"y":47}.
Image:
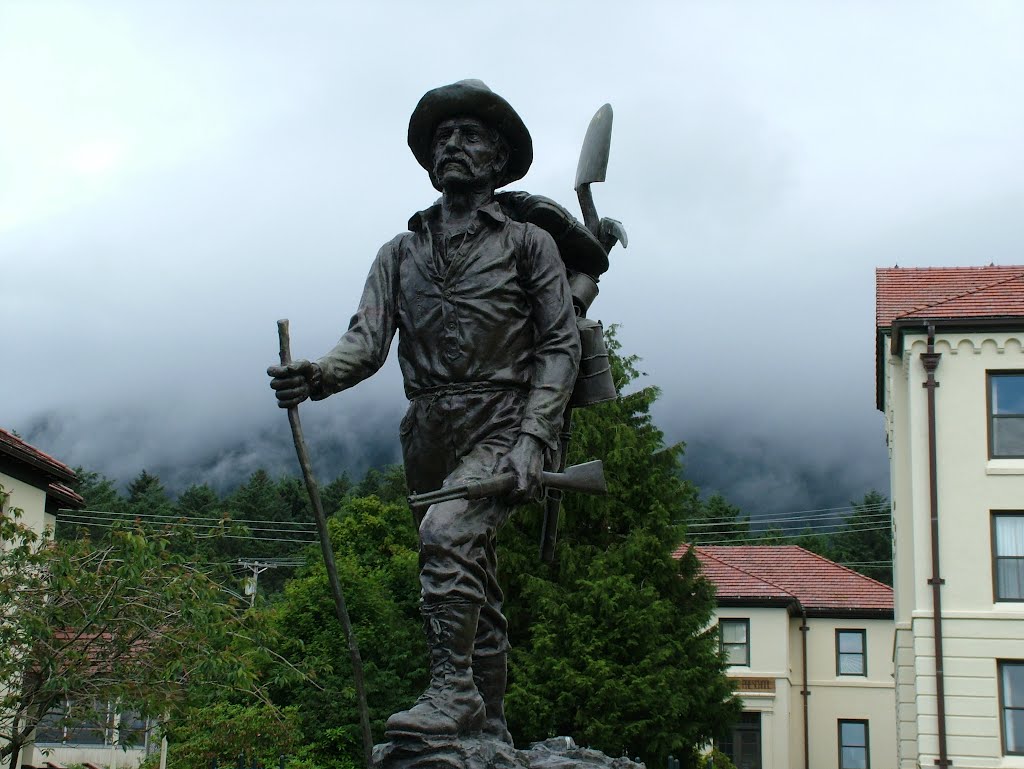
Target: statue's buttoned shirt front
{"x":488,"y":307}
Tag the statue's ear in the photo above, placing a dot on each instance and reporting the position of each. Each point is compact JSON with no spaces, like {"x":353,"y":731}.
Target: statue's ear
{"x":501,"y":159}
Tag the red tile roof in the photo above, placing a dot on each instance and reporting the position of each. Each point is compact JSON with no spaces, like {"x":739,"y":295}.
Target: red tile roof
{"x":65,"y":495}
{"x":13,"y":446}
{"x":948,"y":293}
{"x":785,"y":572}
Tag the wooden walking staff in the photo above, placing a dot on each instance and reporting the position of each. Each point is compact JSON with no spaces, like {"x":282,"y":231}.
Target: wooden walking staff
{"x":328,"y":551}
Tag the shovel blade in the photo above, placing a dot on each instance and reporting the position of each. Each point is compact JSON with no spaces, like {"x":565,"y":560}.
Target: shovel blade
{"x":597,"y":145}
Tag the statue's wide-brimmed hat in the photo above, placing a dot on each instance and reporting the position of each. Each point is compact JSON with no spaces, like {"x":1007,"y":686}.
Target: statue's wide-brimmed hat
{"x":473,"y":98}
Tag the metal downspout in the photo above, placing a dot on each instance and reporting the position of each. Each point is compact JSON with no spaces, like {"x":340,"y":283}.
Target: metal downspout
{"x":806,"y":693}
{"x":930,"y":360}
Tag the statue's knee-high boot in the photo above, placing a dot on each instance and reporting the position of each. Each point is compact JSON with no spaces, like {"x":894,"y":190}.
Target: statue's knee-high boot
{"x":451,"y":705}
{"x":491,"y":676}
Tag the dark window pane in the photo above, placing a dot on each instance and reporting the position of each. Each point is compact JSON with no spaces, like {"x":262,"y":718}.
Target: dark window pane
{"x":851,"y":664}
{"x":1007,"y":436}
{"x":1013,"y":725}
{"x":1007,"y":394}
{"x":1010,"y":578}
{"x":736,"y":654}
{"x":855,"y":758}
{"x":734,"y":632}
{"x":1010,"y":535}
{"x":851,"y":643}
{"x":131,"y":730}
{"x":854,"y":734}
{"x":51,"y":727}
{"x":1013,"y":685}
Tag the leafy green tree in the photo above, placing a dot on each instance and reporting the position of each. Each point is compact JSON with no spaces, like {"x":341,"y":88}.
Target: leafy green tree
{"x":126,"y":619}
{"x":388,"y":485}
{"x":614,"y":644}
{"x":376,"y":554}
{"x":224,"y":731}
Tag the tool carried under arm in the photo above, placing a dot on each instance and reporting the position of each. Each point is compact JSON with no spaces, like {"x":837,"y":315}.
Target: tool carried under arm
{"x":587,"y":478}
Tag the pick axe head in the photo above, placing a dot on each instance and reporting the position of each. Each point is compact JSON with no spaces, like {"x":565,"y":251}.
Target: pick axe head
{"x":597,"y":145}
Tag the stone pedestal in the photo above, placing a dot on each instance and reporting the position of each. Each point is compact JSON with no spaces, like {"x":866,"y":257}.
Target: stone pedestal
{"x":483,"y":753}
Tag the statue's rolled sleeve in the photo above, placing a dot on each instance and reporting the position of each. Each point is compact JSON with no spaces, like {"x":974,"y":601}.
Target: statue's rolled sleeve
{"x":557,"y":352}
{"x":364,"y":347}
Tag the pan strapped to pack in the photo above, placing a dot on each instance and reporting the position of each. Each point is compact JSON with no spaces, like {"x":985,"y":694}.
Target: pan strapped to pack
{"x":585,"y":261}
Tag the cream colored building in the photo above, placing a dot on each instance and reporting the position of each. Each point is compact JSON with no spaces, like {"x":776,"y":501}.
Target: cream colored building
{"x":811,"y":649}
{"x":36,"y":484}
{"x":950,"y":365}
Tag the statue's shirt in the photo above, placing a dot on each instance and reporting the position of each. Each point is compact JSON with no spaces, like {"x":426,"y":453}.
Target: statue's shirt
{"x":486,"y":308}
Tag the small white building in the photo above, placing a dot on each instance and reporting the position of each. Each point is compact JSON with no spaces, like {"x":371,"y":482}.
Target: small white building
{"x":950,"y":382}
{"x":810,"y":649}
{"x":35,"y":482}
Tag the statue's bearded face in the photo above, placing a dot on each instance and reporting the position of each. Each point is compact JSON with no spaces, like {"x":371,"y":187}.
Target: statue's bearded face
{"x":468,"y":153}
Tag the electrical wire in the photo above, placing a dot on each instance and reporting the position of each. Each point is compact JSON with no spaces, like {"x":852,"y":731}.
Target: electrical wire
{"x":174,"y":517}
{"x":129,"y":518}
{"x":761,"y":539}
{"x":115,"y":525}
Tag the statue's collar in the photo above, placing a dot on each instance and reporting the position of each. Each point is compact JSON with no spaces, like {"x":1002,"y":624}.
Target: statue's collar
{"x":422,"y":219}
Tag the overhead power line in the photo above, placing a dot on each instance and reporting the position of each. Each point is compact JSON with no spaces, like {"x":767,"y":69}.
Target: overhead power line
{"x":113,"y":524}
{"x":187,"y":518}
{"x":154,"y":520}
{"x":761,"y":539}
{"x":820,"y":520}
{"x":799,"y":515}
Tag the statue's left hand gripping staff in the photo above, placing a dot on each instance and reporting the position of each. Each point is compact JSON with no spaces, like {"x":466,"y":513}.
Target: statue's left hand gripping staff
{"x":328,"y":552}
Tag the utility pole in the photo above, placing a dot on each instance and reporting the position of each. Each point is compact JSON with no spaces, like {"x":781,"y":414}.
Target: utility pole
{"x":257,"y":568}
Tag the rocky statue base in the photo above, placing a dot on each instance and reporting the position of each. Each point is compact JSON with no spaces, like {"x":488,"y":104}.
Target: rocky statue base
{"x":484,"y":753}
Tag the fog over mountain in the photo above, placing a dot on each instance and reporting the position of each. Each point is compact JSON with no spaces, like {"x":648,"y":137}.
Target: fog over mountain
{"x":175,"y":177}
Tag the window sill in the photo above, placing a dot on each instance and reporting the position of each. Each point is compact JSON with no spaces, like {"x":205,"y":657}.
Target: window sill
{"x":1004,"y":467}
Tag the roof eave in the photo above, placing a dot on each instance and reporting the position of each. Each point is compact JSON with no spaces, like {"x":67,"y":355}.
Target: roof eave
{"x":54,"y":470}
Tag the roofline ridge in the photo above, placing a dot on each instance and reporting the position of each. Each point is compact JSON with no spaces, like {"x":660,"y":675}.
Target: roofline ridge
{"x":755,"y":576}
{"x":961,"y":267}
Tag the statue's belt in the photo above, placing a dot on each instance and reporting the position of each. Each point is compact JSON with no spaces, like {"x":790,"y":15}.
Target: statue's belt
{"x":465,"y":388}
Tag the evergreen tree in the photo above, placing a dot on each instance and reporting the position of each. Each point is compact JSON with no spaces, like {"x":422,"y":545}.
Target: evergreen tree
{"x":865,"y":542}
{"x":718,"y":522}
{"x":614,"y":644}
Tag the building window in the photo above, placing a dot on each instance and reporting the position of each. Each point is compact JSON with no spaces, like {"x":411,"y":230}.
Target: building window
{"x":71,"y":725}
{"x":742,"y":743}
{"x":1011,"y":702}
{"x":1006,"y":414}
{"x":853,"y":745}
{"x":1008,"y":556}
{"x":734,"y":640}
{"x":850,"y":657}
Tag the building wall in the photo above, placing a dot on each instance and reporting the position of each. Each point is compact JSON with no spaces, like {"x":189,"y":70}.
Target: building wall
{"x":834,"y":696}
{"x":977,"y":631}
{"x":31,"y":500}
{"x":776,"y":654}
{"x":67,"y":755}
{"x":769,"y":659}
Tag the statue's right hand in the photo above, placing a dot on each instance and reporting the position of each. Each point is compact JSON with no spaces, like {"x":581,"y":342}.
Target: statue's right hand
{"x":292,"y":383}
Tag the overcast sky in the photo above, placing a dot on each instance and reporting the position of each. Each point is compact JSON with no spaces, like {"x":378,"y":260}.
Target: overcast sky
{"x":175,"y":176}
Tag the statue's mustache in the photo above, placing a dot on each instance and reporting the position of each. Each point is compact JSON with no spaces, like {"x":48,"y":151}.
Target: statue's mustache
{"x":461,"y":160}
